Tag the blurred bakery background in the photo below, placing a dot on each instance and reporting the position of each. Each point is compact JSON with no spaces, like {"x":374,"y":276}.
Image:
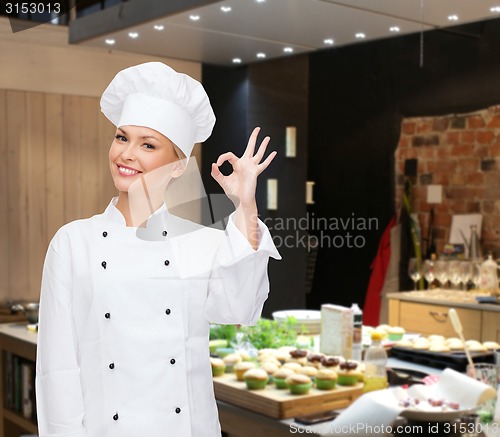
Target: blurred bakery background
{"x":385,"y":116}
{"x":358,"y":97}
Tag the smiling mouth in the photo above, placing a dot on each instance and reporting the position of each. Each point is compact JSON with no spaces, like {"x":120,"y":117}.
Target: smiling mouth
{"x":124,"y":171}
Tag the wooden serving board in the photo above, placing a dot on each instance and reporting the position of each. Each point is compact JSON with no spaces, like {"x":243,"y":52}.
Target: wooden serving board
{"x":281,"y":404}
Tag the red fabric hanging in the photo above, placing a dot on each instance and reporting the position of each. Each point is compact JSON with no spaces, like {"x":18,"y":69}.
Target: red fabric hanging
{"x":371,"y":308}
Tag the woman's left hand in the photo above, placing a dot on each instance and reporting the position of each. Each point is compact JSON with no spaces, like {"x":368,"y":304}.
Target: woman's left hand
{"x":241,"y":184}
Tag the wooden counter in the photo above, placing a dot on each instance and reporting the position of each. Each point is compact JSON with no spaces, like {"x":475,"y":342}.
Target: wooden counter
{"x":426,"y":312}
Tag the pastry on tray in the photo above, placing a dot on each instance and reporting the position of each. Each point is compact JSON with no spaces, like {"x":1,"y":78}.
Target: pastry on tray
{"x":348,"y":373}
{"x":395,"y":333}
{"x":241,"y":368}
{"x":280,"y":376}
{"x":299,"y":384}
{"x":218,"y":366}
{"x":231,"y":360}
{"x":326,"y":379}
{"x":256,"y":379}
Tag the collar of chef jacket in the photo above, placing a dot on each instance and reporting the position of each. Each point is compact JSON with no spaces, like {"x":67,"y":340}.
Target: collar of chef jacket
{"x":158,"y":222}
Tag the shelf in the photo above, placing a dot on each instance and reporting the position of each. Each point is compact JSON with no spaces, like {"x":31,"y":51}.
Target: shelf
{"x":19,"y":420}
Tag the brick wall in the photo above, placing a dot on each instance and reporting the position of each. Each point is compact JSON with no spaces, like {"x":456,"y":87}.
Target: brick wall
{"x":461,"y":152}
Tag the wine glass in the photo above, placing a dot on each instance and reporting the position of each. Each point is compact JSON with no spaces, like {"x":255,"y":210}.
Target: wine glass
{"x":429,"y":272}
{"x":476,"y":273}
{"x":466,"y":273}
{"x":414,"y":270}
{"x":441,"y":269}
{"x":454,"y":274}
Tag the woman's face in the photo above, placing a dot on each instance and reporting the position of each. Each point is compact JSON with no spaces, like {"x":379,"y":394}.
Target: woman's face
{"x":136,"y":150}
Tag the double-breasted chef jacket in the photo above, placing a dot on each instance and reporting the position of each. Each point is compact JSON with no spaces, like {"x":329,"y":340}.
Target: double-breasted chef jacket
{"x":124,"y":323}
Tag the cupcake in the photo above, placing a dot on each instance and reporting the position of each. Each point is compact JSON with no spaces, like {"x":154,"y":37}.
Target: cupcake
{"x":293,"y":366}
{"x":230,"y":361}
{"x":421,"y":343}
{"x":326,"y":379}
{"x":395,"y":333}
{"x":270,"y":367}
{"x":309,"y":371}
{"x":298,"y":356}
{"x":216,"y":344}
{"x":281,"y":356}
{"x":348,"y":373}
{"x":455,"y":345}
{"x":245,"y":356}
{"x":218,"y":366}
{"x":314,"y":360}
{"x":241,"y":368}
{"x":280,"y":376}
{"x":255,"y":379}
{"x":475,"y":346}
{"x":329,"y":362}
{"x":491,"y":345}
{"x":299,"y":384}
{"x":267,"y":351}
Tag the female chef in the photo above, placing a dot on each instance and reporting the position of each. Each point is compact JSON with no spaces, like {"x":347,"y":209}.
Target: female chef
{"x":127,"y":295}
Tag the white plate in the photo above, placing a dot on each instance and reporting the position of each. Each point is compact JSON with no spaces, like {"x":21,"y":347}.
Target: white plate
{"x":310,"y":319}
{"x":302,"y":316}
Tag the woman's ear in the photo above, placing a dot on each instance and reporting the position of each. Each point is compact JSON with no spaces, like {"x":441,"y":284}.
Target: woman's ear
{"x":179,"y":168}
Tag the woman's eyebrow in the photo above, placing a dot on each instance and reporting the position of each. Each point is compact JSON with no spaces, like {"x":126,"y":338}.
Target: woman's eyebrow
{"x":149,"y":136}
{"x":120,"y":129}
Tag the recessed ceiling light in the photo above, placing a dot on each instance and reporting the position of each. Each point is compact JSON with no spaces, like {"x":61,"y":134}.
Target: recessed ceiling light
{"x":159,"y":26}
{"x":453,"y":17}
{"x":236,"y":60}
{"x":260,"y":1}
{"x":110,"y":41}
{"x":194,"y":17}
{"x":225,"y":8}
{"x":495,"y":9}
{"x":133,"y":35}
{"x":288,"y":49}
{"x":360,"y":35}
{"x":261,"y":55}
{"x":328,"y":41}
{"x":394,"y":29}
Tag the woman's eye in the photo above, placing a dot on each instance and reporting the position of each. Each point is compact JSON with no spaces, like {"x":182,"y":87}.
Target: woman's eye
{"x":120,"y":137}
{"x":149,"y":146}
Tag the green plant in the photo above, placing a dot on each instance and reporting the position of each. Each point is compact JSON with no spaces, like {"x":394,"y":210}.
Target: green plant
{"x":271,"y":333}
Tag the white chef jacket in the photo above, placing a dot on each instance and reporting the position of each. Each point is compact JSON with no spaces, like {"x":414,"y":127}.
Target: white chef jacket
{"x":124,"y":323}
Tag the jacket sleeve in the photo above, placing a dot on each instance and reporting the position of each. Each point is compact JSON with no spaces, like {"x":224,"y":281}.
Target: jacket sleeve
{"x":239,"y":284}
{"x":59,"y":396}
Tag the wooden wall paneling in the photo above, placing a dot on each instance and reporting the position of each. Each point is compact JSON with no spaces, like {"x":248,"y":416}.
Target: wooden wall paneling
{"x":16,"y":121}
{"x":54,"y":164}
{"x":89,"y":156}
{"x":72,"y":158}
{"x":37,"y":205}
{"x":4,"y":206}
{"x":106,"y":132}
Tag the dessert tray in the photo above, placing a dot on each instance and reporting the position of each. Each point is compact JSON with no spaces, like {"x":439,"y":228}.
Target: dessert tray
{"x":281,"y":404}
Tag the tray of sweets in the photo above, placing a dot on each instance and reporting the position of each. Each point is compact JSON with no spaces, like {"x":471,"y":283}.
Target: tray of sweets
{"x":281,"y":404}
{"x":456,"y":360}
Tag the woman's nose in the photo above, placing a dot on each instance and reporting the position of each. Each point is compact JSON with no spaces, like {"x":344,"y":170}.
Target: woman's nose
{"x":128,"y":152}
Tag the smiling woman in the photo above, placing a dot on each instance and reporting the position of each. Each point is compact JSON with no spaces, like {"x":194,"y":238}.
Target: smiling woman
{"x":127,"y":295}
